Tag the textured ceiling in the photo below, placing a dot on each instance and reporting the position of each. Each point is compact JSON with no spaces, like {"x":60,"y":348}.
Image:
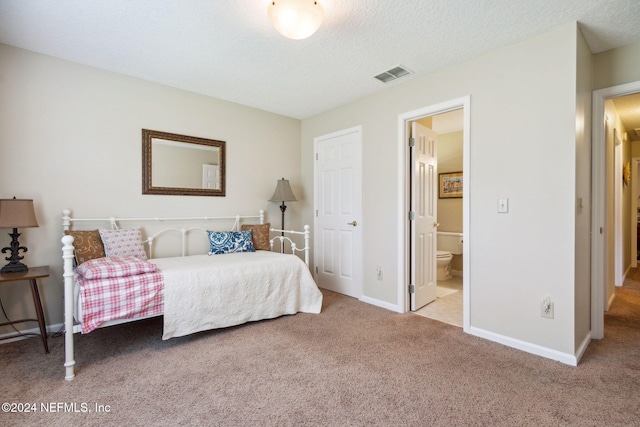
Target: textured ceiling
{"x":228,"y":49}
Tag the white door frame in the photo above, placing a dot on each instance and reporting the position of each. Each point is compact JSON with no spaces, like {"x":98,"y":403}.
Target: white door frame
{"x":403,"y":198}
{"x":598,"y":203}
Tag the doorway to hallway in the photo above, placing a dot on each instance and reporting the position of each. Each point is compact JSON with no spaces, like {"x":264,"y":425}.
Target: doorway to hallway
{"x":611,"y":221}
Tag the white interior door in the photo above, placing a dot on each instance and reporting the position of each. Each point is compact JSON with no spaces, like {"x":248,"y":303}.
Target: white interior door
{"x":338,"y":199}
{"x":424,"y":226}
{"x":210,"y":176}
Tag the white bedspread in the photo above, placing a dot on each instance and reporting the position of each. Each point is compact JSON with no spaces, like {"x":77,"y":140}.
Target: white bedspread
{"x":214,"y":291}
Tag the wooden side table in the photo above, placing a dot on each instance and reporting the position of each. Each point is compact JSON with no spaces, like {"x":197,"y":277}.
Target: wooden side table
{"x":31,"y":275}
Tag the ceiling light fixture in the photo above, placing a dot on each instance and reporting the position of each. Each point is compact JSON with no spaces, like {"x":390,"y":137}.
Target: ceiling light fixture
{"x":295,"y":19}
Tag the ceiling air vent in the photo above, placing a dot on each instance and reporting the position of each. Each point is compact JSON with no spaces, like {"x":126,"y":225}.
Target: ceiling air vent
{"x":393,"y":74}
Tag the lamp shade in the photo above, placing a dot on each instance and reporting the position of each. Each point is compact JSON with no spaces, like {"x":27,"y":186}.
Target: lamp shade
{"x":295,"y":19}
{"x":283,"y":192}
{"x":17,"y":213}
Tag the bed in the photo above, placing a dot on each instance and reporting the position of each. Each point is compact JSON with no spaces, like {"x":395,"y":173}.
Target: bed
{"x":199,"y":273}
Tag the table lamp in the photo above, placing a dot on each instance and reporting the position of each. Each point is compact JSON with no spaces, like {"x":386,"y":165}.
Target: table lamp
{"x":16,"y":213}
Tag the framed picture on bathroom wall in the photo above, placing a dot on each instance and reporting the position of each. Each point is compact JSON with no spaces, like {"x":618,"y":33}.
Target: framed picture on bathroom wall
{"x":450,"y":185}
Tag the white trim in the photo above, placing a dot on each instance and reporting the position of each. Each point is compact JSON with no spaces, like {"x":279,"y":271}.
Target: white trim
{"x":51,"y":329}
{"x":403,"y":198}
{"x":625,"y":274}
{"x":598,"y":199}
{"x":381,"y":304}
{"x":610,"y":300}
{"x":583,"y":346}
{"x":566,"y":358}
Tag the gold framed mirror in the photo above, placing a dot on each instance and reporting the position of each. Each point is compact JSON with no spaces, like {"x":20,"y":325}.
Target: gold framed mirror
{"x":182,"y":165}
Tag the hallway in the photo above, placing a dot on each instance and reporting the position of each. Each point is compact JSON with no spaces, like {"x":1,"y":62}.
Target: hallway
{"x":625,"y":310}
{"x":621,"y":341}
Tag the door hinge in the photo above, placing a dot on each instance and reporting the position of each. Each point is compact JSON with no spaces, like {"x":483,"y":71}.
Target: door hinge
{"x":412,"y":289}
{"x":412,"y":215}
{"x":316,"y":213}
{"x":316,"y":156}
{"x":412,"y":142}
{"x":316,"y":269}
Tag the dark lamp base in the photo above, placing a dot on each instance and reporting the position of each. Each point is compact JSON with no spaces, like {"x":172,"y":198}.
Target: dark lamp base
{"x":14,"y":265}
{"x":14,"y":268}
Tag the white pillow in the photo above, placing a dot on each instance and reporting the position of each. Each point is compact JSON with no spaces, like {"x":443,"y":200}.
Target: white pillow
{"x":122,"y":243}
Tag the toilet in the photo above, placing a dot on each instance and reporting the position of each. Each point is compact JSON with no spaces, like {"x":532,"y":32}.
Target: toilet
{"x":449,"y":244}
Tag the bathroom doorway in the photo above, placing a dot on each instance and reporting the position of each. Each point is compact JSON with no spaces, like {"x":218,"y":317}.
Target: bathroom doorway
{"x":447,"y":303}
{"x":450,"y":120}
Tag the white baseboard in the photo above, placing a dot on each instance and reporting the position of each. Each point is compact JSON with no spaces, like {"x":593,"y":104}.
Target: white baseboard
{"x":51,"y":329}
{"x":624,"y":276}
{"x":566,"y":358}
{"x":382,"y":304}
{"x":611,"y":298}
{"x":583,"y":346}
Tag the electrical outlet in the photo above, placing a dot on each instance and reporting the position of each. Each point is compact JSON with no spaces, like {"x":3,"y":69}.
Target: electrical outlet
{"x":379,"y":273}
{"x":546,"y":308}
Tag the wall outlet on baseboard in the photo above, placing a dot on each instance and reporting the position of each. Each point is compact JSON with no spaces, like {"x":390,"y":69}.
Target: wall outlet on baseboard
{"x":546,"y":308}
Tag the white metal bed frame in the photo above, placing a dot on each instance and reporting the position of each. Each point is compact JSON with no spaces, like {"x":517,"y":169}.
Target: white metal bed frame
{"x":68,"y":256}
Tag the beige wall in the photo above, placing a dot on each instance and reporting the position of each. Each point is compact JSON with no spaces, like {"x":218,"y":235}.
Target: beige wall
{"x":616,"y":66}
{"x":615,"y":126}
{"x":518,"y":258}
{"x":450,"y":160}
{"x":450,"y":210}
{"x":70,"y":137}
{"x":635,"y":150}
{"x":582,"y":297}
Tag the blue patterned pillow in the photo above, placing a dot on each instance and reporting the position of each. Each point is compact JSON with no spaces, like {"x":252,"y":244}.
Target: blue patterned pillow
{"x":223,"y":242}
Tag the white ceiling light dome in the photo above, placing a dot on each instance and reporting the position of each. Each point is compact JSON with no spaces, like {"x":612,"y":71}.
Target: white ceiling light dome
{"x":295,"y":19}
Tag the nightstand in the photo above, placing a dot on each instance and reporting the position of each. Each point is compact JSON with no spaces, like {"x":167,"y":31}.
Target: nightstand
{"x":31,"y":275}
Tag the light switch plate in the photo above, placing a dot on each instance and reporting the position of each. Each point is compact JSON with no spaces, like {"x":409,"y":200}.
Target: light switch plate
{"x":503,"y":205}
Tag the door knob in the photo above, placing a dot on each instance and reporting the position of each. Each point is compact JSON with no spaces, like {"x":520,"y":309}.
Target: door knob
{"x":354,"y":223}
{"x":436,"y":224}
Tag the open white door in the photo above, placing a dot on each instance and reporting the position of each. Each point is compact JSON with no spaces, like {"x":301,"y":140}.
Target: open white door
{"x":424,"y":226}
{"x":338,"y":200}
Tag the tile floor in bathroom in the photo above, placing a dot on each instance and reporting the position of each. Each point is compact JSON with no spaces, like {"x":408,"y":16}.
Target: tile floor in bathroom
{"x":447,"y":307}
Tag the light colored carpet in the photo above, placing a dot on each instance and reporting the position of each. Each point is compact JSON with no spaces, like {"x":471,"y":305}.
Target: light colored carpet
{"x":352,"y":365}
{"x":447,"y":307}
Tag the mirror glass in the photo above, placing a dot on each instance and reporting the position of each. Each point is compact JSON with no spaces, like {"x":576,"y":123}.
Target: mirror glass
{"x":182,"y":165}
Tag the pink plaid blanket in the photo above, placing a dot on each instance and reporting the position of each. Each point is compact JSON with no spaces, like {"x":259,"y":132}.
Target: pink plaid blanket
{"x":123,"y":297}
